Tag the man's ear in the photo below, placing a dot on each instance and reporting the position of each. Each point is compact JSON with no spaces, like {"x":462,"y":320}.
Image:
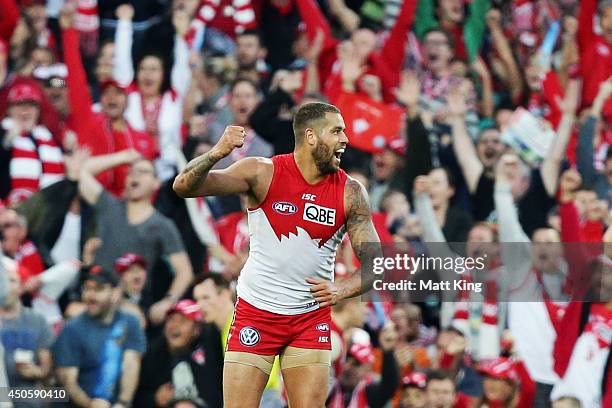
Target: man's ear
{"x":310,"y":137}
{"x":263,"y":53}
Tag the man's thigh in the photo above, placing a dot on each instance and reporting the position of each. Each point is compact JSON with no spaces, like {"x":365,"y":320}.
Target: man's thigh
{"x":244,"y":379}
{"x":306,"y":376}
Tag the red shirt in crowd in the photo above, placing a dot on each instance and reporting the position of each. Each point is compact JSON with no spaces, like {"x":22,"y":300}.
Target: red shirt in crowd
{"x":385,"y":64}
{"x":93,"y":128}
{"x":29,"y":261}
{"x":595,"y":54}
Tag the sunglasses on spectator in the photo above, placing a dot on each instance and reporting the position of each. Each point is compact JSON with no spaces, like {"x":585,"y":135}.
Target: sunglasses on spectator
{"x":55,"y":82}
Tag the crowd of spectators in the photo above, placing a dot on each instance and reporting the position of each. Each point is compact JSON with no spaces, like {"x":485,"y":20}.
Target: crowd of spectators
{"x":477,"y":126}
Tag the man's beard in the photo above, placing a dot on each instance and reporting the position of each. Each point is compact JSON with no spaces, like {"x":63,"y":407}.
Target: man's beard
{"x":247,"y":65}
{"x":323,"y":156}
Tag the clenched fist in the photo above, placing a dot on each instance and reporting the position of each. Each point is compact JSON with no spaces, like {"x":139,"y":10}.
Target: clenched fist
{"x":421,"y":185}
{"x":232,"y":138}
{"x":508,"y":167}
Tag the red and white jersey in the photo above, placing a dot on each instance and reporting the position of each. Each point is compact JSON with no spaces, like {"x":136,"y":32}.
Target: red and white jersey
{"x":294,"y":235}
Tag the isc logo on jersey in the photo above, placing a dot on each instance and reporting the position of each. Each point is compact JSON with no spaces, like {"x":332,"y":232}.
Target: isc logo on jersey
{"x":284,"y":208}
{"x":320,"y":215}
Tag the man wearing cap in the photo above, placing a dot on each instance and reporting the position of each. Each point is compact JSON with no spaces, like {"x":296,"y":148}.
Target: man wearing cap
{"x":30,"y":158}
{"x":105,"y":131}
{"x":413,"y":391}
{"x":185,"y":364}
{"x":506,"y":380}
{"x":132,"y":270}
{"x":98,"y":352}
{"x":53,"y":81}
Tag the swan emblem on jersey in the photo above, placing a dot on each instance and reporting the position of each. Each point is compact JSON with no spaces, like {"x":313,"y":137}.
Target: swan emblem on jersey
{"x":249,"y":336}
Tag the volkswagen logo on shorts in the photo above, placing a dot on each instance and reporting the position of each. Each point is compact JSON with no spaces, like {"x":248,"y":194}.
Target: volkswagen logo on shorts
{"x":284,"y":207}
{"x":249,"y":336}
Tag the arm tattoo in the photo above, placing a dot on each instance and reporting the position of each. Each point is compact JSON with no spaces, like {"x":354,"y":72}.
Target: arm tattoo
{"x":196,"y":170}
{"x":363,"y":236}
{"x":359,"y":221}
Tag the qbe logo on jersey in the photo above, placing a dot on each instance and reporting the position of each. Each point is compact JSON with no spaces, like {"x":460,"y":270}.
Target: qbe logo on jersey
{"x":249,"y":336}
{"x":320,"y":215}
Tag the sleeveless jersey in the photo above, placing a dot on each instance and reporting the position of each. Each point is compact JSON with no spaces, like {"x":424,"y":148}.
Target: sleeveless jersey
{"x":294,"y":234}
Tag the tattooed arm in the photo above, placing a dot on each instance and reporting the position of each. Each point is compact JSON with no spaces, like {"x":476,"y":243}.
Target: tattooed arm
{"x":196,"y":179}
{"x":365,"y":243}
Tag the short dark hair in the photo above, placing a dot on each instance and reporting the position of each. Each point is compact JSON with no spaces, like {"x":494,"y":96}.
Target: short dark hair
{"x":219,"y":281}
{"x":239,"y":80}
{"x":449,"y":37}
{"x":252,"y":32}
{"x":151,"y":162}
{"x":437,"y":375}
{"x":307,"y":114}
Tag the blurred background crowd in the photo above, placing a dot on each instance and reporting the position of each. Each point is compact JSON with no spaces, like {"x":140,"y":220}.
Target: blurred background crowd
{"x":470,"y":121}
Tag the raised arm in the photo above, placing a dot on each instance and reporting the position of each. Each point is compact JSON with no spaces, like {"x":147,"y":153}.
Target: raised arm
{"x":516,"y":256}
{"x":90,"y":188}
{"x":180,"y":77}
{"x":8,"y":18}
{"x":425,"y":18}
{"x":463,"y":146}
{"x":588,"y":8}
{"x":78,"y":89}
{"x":365,"y":243}
{"x":474,"y":28}
{"x":551,"y":166}
{"x":514,"y":80}
{"x":586,"y":135}
{"x":394,"y":48}
{"x":123,"y":66}
{"x":197,"y":179}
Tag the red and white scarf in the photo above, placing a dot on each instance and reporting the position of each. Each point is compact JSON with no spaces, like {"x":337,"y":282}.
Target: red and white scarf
{"x":358,"y":397}
{"x":242,"y":11}
{"x":488,"y":334}
{"x":36,"y":162}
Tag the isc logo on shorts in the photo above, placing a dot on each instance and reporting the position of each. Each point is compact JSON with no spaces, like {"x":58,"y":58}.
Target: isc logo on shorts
{"x":249,"y":336}
{"x":320,"y":215}
{"x":284,"y":208}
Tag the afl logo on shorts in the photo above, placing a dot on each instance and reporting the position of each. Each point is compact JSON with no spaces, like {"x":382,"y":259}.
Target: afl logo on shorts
{"x":284,"y":208}
{"x":249,"y":336}
{"x":322,"y":327}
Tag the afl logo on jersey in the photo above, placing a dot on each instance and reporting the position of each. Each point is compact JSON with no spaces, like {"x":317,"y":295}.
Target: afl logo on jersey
{"x":249,"y":336}
{"x":284,"y":208}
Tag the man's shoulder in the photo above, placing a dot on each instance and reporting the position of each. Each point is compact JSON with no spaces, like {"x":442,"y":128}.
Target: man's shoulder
{"x":126,"y":317}
{"x":76,"y":325}
{"x":107,"y":200}
{"x":31,"y":316}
